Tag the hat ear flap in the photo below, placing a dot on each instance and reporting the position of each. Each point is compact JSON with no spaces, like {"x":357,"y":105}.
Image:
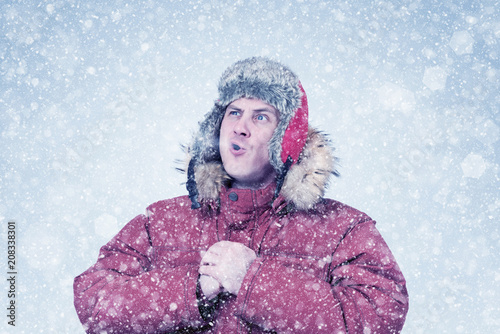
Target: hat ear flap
{"x":295,"y":136}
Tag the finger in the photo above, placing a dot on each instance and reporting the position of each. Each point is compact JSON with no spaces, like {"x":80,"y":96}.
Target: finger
{"x":210,"y":271}
{"x":210,"y":259}
{"x":213,"y":250}
{"x":209,"y":286}
{"x":209,"y":281}
{"x":221,"y":246}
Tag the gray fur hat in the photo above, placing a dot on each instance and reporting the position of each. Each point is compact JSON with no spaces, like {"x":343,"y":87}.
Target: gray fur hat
{"x":272,"y":83}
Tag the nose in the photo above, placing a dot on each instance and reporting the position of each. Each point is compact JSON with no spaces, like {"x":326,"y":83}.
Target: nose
{"x":241,"y":127}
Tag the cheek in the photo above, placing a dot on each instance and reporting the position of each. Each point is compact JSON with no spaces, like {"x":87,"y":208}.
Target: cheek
{"x":264,"y":153}
{"x":266,"y":137}
{"x":223,"y":133}
{"x":222,"y":130}
{"x":270,"y":131}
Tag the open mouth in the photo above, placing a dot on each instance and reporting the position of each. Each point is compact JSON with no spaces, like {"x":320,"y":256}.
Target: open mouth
{"x":236,"y":147}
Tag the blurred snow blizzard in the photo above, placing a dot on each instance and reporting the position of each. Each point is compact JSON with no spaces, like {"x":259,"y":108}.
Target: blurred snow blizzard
{"x":96,"y":96}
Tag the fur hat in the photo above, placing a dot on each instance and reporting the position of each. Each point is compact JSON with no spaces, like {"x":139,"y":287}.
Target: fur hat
{"x":272,"y":83}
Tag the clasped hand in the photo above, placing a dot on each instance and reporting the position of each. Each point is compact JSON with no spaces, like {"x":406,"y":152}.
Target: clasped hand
{"x":223,"y":267}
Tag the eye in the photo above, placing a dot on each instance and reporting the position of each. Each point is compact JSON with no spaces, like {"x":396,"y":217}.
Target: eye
{"x":261,"y":117}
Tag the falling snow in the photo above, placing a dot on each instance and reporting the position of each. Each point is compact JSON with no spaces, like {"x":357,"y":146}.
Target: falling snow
{"x":96,"y":98}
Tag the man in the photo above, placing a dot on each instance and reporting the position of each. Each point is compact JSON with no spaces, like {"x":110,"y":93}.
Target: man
{"x":254,"y":248}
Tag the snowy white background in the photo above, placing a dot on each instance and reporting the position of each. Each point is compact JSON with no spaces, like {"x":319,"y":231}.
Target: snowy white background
{"x":96,"y":96}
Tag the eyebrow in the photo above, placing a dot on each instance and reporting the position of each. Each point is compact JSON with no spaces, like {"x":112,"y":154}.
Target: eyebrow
{"x":265,"y":109}
{"x":270,"y":110}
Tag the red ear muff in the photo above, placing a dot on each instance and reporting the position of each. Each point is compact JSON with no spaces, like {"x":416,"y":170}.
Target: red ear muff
{"x":295,"y":135}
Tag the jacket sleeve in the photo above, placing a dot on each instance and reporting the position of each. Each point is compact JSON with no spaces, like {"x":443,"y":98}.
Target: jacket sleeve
{"x":124,"y":293}
{"x":362,"y":291}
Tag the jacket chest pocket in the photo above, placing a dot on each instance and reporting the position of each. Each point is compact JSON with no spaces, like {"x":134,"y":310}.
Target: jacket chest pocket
{"x":172,"y":257}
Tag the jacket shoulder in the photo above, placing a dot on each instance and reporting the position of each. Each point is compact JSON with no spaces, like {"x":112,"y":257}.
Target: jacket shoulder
{"x":181,"y":202}
{"x":334,"y":211}
{"x":334,"y":205}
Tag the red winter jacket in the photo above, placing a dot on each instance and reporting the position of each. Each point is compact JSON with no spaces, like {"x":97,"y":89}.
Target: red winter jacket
{"x":321,"y":267}
{"x":325,"y":270}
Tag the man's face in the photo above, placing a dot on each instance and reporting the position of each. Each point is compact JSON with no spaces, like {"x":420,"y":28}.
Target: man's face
{"x":246,"y":129}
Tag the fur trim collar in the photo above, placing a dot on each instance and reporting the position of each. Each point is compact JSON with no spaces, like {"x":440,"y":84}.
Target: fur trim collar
{"x":304,"y":185}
